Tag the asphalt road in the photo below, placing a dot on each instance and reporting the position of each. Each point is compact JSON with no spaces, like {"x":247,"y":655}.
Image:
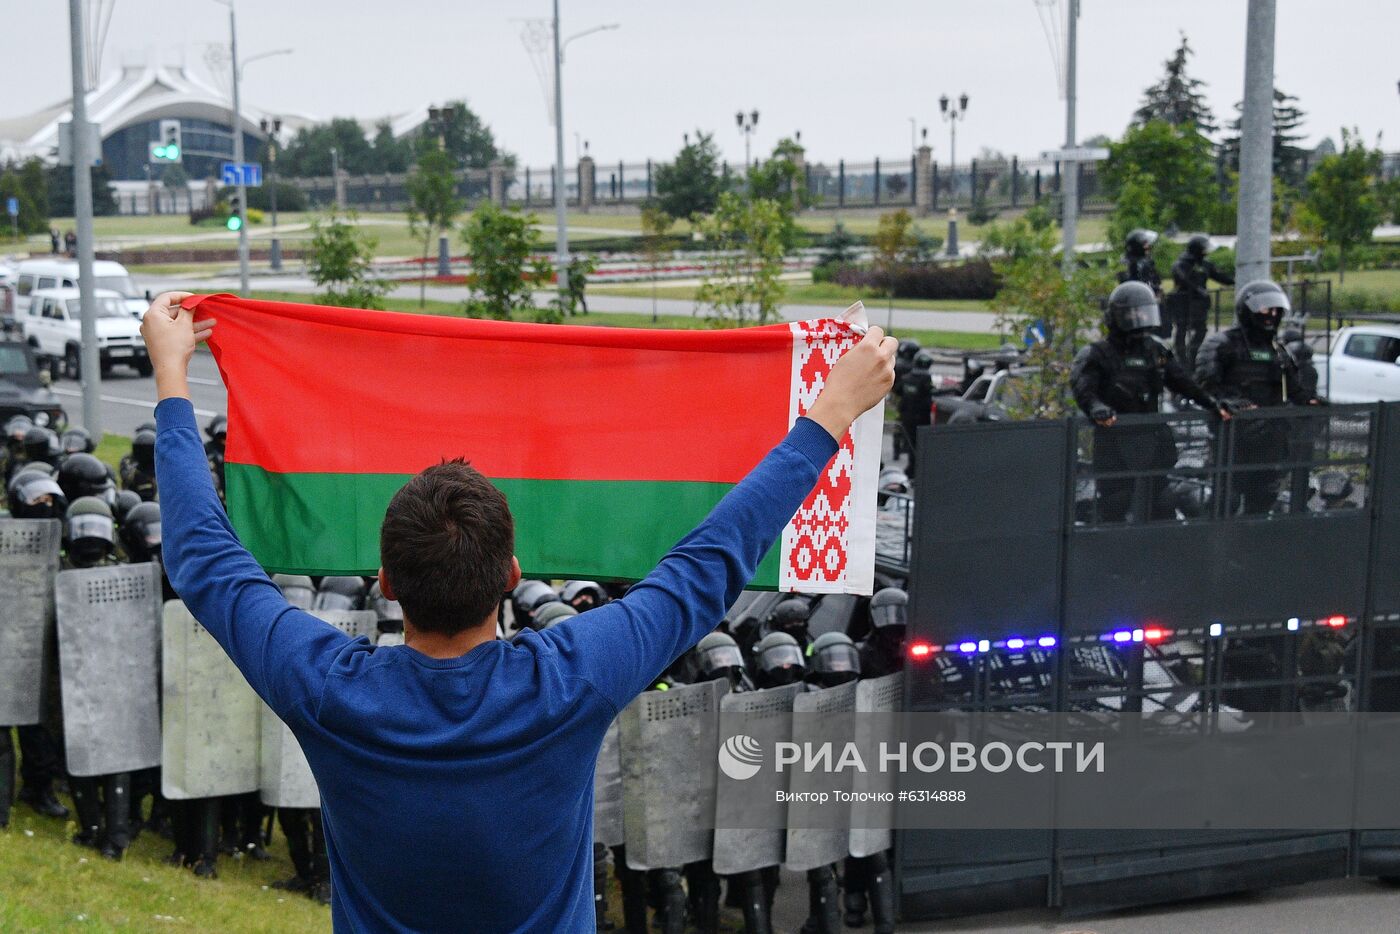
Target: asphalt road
{"x":129,"y":399}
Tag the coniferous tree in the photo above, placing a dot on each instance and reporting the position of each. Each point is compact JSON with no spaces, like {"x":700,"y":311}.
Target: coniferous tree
{"x":1178,"y":98}
{"x":1290,"y":159}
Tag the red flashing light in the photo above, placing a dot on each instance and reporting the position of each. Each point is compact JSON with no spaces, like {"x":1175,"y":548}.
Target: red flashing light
{"x":1153,"y":634}
{"x":1336,"y":622}
{"x":920,"y":650}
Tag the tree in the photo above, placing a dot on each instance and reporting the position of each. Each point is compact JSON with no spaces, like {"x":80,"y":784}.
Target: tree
{"x":655,"y":224}
{"x":745,"y":284}
{"x":309,"y":152}
{"x":1177,"y":161}
{"x":691,"y":184}
{"x":174,"y":180}
{"x":388,"y":153}
{"x":1289,"y":159}
{"x":468,"y":139}
{"x":1343,"y":204}
{"x":896,"y":247}
{"x":780,"y":179}
{"x":27,"y":183}
{"x":838,"y":247}
{"x":1135,"y":206}
{"x":340,"y":260}
{"x":1035,"y":294}
{"x":500,"y":243}
{"x":1177,"y":99}
{"x":433,"y":203}
{"x":56,"y":183}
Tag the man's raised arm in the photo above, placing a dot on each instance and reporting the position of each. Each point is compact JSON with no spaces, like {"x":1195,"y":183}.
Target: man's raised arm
{"x":283,"y":652}
{"x":621,"y":647}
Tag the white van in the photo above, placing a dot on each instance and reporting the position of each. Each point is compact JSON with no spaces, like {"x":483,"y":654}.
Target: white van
{"x":62,"y":273}
{"x":53,"y":327}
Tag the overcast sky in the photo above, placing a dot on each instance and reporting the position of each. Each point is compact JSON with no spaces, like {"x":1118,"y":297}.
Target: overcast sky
{"x":849,"y":75}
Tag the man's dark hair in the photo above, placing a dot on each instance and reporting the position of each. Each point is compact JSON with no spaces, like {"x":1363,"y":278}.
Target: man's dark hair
{"x":446,"y":545}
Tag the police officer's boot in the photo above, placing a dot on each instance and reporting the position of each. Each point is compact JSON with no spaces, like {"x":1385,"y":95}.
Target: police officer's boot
{"x":7,"y":777}
{"x":671,"y":915}
{"x":703,"y":887}
{"x":600,"y":888}
{"x":823,"y":902}
{"x":205,"y":819}
{"x":853,"y":899}
{"x":881,"y":886}
{"x":320,"y":861}
{"x":634,"y":893}
{"x":756,"y":904}
{"x":89,"y":809}
{"x":116,"y":806}
{"x":296,"y":827}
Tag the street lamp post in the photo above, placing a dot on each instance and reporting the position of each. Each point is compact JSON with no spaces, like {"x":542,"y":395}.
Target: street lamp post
{"x":90,"y":371}
{"x":952,"y":113}
{"x":237,"y":121}
{"x":439,"y":118}
{"x":748,"y":125}
{"x":271,"y":129}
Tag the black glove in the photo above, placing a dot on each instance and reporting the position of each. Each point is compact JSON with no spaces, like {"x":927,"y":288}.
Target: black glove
{"x":1100,"y":412}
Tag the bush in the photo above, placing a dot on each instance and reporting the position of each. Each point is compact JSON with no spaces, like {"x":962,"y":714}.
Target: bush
{"x":1365,"y":300}
{"x":981,"y":214}
{"x":974,"y":279}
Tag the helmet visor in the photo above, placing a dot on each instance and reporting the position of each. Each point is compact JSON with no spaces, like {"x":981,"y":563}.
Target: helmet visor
{"x":1139,"y":317}
{"x":90,"y":525}
{"x":299,"y":596}
{"x":1267,"y":299}
{"x":326,"y":600}
{"x":34,"y":487}
{"x":889,"y":615}
{"x":781,"y":656}
{"x":839,"y":658}
{"x":719,"y":657}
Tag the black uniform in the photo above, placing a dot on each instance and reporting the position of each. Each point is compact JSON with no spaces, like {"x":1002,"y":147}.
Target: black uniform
{"x":1125,"y":374}
{"x":1246,"y":367}
{"x":915,"y":392}
{"x":1190,"y":305}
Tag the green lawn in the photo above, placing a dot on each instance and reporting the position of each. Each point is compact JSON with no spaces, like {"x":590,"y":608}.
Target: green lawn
{"x":952,"y":340}
{"x":805,"y":293}
{"x":50,"y":884}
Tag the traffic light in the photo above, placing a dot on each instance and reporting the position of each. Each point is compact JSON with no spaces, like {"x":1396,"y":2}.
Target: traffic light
{"x":235,"y":220}
{"x":168,"y":148}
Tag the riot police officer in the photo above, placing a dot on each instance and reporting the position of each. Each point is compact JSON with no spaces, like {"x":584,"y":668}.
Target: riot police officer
{"x":1247,"y":368}
{"x":389,"y":616}
{"x":340,"y":593}
{"x":1190,"y":300}
{"x":882,"y":649}
{"x":103,"y":802}
{"x":84,"y":475}
{"x":1138,"y":266}
{"x":904,"y":356}
{"x":217,"y":430}
{"x":527,"y":597}
{"x":138,"y":467}
{"x":915,"y":392}
{"x":583,"y":595}
{"x":123,"y":503}
{"x":1125,"y":373}
{"x":76,"y":440}
{"x":790,"y":616}
{"x":1301,"y":353}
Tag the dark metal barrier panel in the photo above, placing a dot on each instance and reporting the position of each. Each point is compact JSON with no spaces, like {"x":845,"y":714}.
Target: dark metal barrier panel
{"x":1170,"y":563}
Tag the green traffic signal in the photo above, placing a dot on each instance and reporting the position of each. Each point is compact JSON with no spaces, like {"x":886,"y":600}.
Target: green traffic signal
{"x":172,"y":152}
{"x":234,"y":222}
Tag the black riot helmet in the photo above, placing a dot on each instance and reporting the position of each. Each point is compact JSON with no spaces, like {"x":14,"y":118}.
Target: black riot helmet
{"x":717,"y":657}
{"x":143,"y":449}
{"x":889,"y":610}
{"x":527,"y":597}
{"x":297,"y":589}
{"x":1198,"y":246}
{"x":1140,"y":241}
{"x":388,"y":612}
{"x":778,"y":660}
{"x":217,"y":430}
{"x":1132,"y":309}
{"x":124,"y":502}
{"x":88,"y":531}
{"x":37,"y":445}
{"x":923,"y":360}
{"x":907,"y":349}
{"x":790,"y":616}
{"x":583,"y":595}
{"x":85,"y":475}
{"x":140,"y":532}
{"x":340,"y":593}
{"x":16,"y":426}
{"x":33,"y":494}
{"x":77,"y":440}
{"x":833,"y":659}
{"x":1261,"y":306}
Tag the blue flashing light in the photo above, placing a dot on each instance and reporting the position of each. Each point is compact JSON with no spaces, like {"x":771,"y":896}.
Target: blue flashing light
{"x":968,"y":647}
{"x":1046,"y":642}
{"x":1216,"y":630}
{"x":1294,"y":623}
{"x":1122,"y":635}
{"x":984,"y":646}
{"x":1014,"y":643}
{"x":1137,"y":635}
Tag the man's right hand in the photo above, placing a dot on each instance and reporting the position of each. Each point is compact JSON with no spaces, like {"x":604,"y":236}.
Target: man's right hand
{"x":859,"y":381}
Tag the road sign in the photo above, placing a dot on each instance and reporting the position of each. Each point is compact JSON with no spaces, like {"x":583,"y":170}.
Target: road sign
{"x":12,"y":207}
{"x":251,"y":172}
{"x":1078,"y":154}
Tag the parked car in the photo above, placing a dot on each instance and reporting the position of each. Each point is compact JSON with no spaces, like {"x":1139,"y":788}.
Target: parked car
{"x":36,"y":274}
{"x":1363,"y":364}
{"x":24,"y":390}
{"x":53,"y":328}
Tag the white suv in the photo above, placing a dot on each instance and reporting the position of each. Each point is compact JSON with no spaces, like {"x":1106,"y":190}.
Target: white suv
{"x":53,"y":327}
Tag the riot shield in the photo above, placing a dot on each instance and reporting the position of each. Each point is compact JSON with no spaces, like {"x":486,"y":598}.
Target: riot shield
{"x":766,"y":718}
{"x":607,"y":791}
{"x":285,"y":777}
{"x":209,"y":714}
{"x":108,"y":654}
{"x":351,"y":622}
{"x":28,"y":562}
{"x":819,"y":834}
{"x":871,"y":820}
{"x":669,"y":742}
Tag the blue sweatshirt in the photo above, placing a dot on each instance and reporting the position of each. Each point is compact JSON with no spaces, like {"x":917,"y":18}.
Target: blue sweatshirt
{"x":457,"y":794}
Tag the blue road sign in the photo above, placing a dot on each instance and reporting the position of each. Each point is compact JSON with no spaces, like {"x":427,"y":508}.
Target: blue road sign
{"x":251,"y":172}
{"x":12,"y":206}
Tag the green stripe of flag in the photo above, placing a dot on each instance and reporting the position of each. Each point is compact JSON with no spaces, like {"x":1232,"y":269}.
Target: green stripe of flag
{"x":328,"y":523}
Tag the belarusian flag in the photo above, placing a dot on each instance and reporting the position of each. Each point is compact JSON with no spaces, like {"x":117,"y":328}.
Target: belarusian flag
{"x":609,"y":443}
